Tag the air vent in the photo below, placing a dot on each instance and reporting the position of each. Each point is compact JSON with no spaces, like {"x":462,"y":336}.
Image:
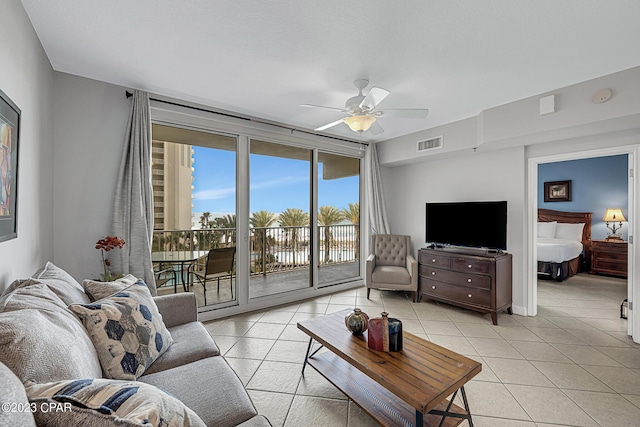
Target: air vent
{"x":430,"y":144}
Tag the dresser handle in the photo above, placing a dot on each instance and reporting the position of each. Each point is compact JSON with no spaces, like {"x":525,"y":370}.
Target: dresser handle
{"x":433,"y":273}
{"x":469,"y":295}
{"x":470,"y":266}
{"x":433,"y":260}
{"x":433,"y":286}
{"x":469,"y":280}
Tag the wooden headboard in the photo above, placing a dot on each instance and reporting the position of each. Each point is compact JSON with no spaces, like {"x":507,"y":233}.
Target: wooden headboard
{"x":548,"y":215}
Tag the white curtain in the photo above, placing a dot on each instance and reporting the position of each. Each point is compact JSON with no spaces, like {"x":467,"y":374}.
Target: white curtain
{"x":133,"y":207}
{"x":378,"y":222}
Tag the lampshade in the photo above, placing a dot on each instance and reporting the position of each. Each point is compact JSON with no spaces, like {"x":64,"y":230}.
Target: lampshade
{"x":360,"y":123}
{"x":614,"y":215}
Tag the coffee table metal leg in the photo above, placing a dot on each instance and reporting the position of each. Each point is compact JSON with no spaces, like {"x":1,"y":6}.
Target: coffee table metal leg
{"x":466,"y":405}
{"x":307,"y":356}
{"x":419,"y":419}
{"x":447,"y":412}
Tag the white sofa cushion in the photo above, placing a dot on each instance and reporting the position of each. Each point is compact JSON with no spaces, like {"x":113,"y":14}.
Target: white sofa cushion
{"x":96,"y":290}
{"x":102,"y":402}
{"x":40,"y":339}
{"x":127,"y":331}
{"x":58,"y":280}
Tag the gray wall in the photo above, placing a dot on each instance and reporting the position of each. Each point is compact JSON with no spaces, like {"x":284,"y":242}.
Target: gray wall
{"x":473,"y":177}
{"x":90,"y":121}
{"x":486,"y":158}
{"x":26,"y":77}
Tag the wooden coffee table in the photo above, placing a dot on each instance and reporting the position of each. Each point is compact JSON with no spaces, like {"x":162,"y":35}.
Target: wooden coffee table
{"x":395,"y":388}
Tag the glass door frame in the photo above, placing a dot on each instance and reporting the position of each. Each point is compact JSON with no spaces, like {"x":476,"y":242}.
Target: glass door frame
{"x":201,"y":119}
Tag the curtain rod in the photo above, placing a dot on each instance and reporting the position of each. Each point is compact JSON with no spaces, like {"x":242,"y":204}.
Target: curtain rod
{"x":177,"y":104}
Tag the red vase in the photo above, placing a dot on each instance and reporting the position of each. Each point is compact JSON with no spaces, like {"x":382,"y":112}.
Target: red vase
{"x":385,"y":333}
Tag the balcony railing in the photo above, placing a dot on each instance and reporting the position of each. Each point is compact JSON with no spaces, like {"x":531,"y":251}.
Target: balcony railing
{"x":272,"y":248}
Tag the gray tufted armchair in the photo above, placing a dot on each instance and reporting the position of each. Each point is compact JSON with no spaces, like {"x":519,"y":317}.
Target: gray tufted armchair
{"x":390,"y":265}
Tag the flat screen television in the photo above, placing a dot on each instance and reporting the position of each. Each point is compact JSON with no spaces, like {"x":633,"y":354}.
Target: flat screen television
{"x":474,"y":224}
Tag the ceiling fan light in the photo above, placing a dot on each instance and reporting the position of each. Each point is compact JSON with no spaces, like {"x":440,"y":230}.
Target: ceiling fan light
{"x":360,"y":123}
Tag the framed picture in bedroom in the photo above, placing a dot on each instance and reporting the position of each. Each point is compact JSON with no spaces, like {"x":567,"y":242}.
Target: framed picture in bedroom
{"x":9,"y":140}
{"x":557,"y":191}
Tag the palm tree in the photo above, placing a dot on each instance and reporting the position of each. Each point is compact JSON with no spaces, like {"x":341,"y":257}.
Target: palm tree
{"x":260,"y":221}
{"x":204,"y":219}
{"x":353,"y":216}
{"x":294,"y":218}
{"x":228,"y":225}
{"x":327,"y":216}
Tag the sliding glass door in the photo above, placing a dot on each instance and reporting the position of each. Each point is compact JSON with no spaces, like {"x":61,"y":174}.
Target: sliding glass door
{"x":280,"y":233}
{"x":289,"y":209}
{"x":194,"y":189}
{"x":338,"y":218}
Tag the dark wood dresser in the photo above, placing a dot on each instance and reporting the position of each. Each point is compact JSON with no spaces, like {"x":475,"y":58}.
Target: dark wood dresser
{"x":609,"y":257}
{"x":469,"y":278}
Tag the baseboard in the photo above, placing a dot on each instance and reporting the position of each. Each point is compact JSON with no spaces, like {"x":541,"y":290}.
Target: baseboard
{"x":519,"y":310}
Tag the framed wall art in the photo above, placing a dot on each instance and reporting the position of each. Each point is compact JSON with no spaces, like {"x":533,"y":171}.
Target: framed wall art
{"x":9,"y":141}
{"x":557,"y":191}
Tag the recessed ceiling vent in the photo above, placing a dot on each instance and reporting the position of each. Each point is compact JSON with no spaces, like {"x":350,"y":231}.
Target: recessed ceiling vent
{"x":430,"y":144}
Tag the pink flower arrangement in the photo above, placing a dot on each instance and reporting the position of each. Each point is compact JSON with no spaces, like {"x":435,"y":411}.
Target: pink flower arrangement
{"x":106,"y":244}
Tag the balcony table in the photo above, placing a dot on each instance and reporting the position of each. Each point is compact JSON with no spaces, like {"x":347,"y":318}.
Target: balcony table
{"x":184,"y":258}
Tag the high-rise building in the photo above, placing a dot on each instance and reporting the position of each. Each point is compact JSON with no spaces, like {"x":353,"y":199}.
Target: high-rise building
{"x":172,"y":175}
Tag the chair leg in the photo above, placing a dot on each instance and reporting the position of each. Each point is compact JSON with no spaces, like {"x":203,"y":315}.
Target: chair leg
{"x":175,"y":282}
{"x":368,"y":292}
{"x":231,"y":285}
{"x":414,"y":294}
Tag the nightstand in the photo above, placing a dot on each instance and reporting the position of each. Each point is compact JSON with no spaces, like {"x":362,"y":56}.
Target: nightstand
{"x":609,"y":257}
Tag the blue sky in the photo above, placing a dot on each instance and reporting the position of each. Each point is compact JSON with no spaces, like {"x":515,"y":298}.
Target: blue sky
{"x":276,"y":184}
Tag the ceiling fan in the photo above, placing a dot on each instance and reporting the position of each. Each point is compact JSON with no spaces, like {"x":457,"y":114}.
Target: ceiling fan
{"x":362,"y":112}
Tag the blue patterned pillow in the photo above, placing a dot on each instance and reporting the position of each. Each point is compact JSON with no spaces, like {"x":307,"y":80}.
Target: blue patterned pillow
{"x":127,"y":331}
{"x":104,"y":403}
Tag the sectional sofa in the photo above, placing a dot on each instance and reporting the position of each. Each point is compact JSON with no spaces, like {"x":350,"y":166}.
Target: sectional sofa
{"x":110,"y":354}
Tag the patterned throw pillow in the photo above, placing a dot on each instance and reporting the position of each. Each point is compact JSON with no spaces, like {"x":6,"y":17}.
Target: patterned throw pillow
{"x":96,"y":290}
{"x":127,"y":331}
{"x":102,"y":402}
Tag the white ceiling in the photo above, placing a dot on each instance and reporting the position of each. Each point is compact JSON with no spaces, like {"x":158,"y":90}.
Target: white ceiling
{"x":265,"y":58}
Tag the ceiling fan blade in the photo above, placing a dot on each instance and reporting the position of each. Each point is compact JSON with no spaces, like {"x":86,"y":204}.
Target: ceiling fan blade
{"x":375,"y":96}
{"x":375,"y":129}
{"x":327,"y":126}
{"x":406,"y":113}
{"x":342,"y":110}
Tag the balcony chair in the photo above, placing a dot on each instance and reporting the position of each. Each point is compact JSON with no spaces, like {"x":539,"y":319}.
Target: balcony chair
{"x":165,"y":275}
{"x":219,"y":263}
{"x":391,"y":266}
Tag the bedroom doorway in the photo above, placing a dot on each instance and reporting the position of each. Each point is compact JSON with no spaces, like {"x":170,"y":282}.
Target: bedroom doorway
{"x":536,"y":180}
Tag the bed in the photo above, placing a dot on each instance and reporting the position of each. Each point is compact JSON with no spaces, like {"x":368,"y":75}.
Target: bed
{"x":564,"y":245}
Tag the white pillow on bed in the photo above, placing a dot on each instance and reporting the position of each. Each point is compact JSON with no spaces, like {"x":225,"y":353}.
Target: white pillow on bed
{"x":547,"y":229}
{"x":569,"y":231}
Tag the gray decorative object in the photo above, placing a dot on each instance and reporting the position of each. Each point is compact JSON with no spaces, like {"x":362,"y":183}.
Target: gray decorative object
{"x":357,"y":321}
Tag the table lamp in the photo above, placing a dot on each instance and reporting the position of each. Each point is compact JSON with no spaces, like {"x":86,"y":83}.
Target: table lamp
{"x":611,"y":216}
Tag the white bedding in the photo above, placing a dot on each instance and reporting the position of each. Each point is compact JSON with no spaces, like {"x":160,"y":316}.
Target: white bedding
{"x":558,"y":250}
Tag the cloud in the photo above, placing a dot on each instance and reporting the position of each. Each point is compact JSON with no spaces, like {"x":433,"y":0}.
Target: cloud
{"x":285,"y":180}
{"x":221,"y":193}
{"x":214,"y":193}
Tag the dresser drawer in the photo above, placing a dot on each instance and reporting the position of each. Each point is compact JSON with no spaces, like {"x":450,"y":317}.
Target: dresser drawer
{"x":435,"y":260}
{"x":456,"y":278}
{"x":612,"y":256}
{"x":605,"y":264}
{"x":461,"y":294}
{"x":471,"y":265}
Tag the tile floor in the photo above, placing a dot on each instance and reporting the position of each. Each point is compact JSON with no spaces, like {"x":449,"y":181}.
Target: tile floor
{"x":572,"y":365}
